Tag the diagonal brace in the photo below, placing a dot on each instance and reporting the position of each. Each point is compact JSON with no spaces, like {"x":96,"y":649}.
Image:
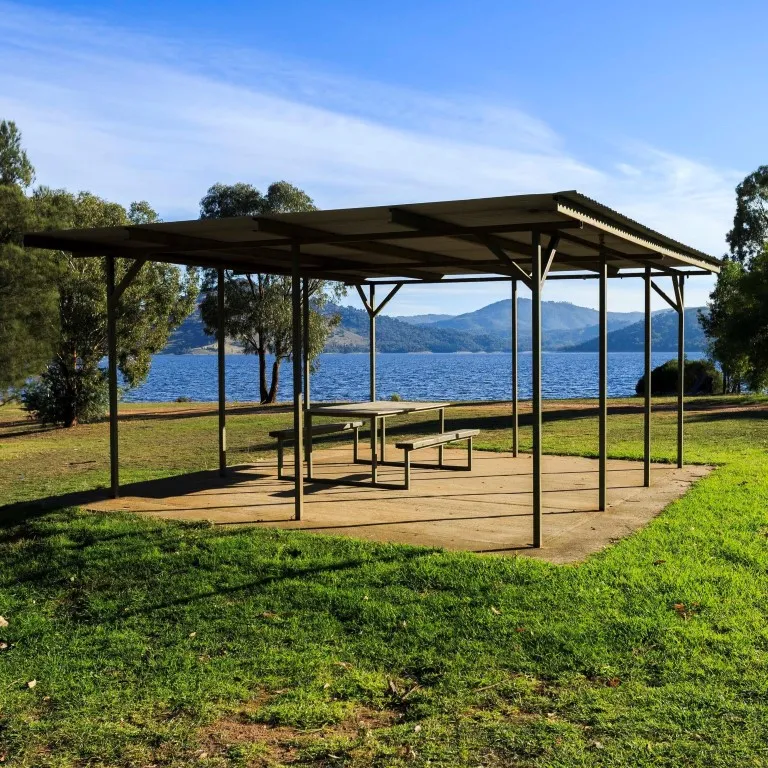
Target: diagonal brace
{"x":133,"y":270}
{"x":504,"y":257}
{"x":554,"y":242}
{"x":664,"y":296}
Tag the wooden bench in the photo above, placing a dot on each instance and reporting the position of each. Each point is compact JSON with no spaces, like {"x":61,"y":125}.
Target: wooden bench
{"x":436,"y":440}
{"x":288,"y":435}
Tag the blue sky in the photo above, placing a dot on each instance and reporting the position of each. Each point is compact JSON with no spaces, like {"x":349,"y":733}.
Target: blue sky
{"x":654,"y":108}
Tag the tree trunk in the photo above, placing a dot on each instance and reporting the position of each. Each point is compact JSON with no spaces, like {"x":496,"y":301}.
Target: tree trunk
{"x":275,"y":381}
{"x":262,"y":352}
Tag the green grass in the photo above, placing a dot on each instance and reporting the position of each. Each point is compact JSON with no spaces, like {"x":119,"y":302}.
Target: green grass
{"x":156,"y":643}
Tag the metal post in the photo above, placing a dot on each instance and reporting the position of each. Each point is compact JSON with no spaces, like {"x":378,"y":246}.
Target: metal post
{"x":298,"y":451}
{"x":441,"y":429}
{"x":536,"y":382}
{"x":647,"y":419}
{"x":603,"y":384}
{"x":221,"y":349}
{"x":680,"y":369}
{"x":372,"y":374}
{"x":305,"y":367}
{"x":305,"y":349}
{"x":114,"y":470}
{"x":372,"y":342}
{"x":515,"y":438}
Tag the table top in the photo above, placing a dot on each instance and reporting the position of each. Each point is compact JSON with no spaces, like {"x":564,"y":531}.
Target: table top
{"x":375,"y":408}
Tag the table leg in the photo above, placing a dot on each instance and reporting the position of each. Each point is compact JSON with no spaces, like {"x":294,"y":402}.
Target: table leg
{"x":441,"y":430}
{"x":374,"y":458}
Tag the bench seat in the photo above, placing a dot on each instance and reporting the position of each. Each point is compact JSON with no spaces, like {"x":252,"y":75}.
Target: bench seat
{"x":436,"y":440}
{"x":289,"y":435}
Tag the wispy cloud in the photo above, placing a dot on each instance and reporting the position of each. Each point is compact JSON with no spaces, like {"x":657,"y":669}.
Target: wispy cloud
{"x":131,"y":116}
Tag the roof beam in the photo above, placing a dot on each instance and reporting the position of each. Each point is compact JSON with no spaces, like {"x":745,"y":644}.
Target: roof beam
{"x":424,"y":258}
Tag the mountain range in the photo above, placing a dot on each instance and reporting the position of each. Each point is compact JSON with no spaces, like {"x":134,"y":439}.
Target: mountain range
{"x":565,"y":327}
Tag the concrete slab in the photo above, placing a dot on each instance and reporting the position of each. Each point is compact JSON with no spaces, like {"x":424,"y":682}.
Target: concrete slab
{"x":487,"y":510}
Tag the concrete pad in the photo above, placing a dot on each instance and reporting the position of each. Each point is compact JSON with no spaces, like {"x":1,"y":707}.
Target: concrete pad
{"x":485,"y":510}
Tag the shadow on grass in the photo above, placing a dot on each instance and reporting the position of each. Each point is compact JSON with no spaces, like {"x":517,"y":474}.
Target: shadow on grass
{"x":176,"y":485}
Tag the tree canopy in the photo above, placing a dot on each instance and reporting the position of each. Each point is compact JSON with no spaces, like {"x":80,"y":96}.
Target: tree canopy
{"x":28,"y":318}
{"x":155,"y":303}
{"x":15,"y":167}
{"x":258,"y":306}
{"x":53,"y":306}
{"x":736,"y":324}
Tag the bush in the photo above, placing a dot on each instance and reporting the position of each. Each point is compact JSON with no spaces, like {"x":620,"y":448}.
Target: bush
{"x":394,"y":397}
{"x":183,"y":399}
{"x":701,"y":378}
{"x":67,"y":398}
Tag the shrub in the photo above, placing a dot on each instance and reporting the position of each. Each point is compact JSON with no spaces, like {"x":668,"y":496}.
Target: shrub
{"x":701,"y":378}
{"x":64,"y":398}
{"x":395,"y":397}
{"x":183,"y":399}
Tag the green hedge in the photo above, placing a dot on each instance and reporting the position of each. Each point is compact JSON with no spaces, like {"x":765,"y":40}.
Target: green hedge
{"x":701,"y":378}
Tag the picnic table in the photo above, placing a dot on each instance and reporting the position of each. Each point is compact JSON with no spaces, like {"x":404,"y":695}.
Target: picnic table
{"x":374,"y":411}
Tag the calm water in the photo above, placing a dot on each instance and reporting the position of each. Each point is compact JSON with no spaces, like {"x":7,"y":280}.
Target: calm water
{"x":412,"y":376}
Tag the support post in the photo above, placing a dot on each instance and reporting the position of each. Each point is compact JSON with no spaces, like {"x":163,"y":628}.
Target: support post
{"x":647,"y":410}
{"x":298,"y":451}
{"x":372,"y":374}
{"x":114,"y":470}
{"x":603,"y":384}
{"x":536,"y":381}
{"x":680,"y":369}
{"x":515,"y":419}
{"x":305,"y":336}
{"x":372,"y":341}
{"x":305,"y":368}
{"x":221,"y":350}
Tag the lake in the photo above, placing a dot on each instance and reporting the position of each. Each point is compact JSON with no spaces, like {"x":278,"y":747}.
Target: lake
{"x":412,"y":376}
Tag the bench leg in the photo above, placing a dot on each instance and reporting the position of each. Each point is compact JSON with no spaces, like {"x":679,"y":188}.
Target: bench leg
{"x":356,"y":445}
{"x":441,"y":422}
{"x":469,"y":454}
{"x":407,"y":465}
{"x":279,"y":458}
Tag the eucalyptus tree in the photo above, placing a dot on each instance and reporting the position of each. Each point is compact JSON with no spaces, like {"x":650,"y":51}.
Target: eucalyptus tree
{"x":258,"y":306}
{"x":73,"y":387}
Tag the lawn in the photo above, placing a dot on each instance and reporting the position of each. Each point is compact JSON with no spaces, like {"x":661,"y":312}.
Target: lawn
{"x":133,"y":642}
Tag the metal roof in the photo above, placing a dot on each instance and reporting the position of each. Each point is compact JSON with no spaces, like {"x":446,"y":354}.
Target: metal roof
{"x":423,"y":241}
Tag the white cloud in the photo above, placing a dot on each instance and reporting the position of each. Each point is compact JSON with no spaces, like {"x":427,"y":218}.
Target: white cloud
{"x":130,"y":116}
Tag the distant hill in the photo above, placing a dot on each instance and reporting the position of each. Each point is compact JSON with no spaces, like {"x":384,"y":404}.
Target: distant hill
{"x":394,"y":335}
{"x":555,"y":316}
{"x":565,"y":327}
{"x":664,"y":335}
{"x":421,"y":319}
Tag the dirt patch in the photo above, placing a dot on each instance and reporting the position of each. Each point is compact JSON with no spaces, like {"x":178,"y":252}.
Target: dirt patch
{"x":282,"y":743}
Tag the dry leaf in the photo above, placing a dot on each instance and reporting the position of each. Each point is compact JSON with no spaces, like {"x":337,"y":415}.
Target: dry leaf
{"x":31,"y":683}
{"x":3,"y":646}
{"x":326,"y":686}
{"x":520,"y":629}
{"x":193,"y":634}
{"x":417,"y":728}
{"x":3,"y":621}
{"x":495,"y":610}
{"x":659,"y":562}
{"x":393,"y":687}
{"x":614,"y":682}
